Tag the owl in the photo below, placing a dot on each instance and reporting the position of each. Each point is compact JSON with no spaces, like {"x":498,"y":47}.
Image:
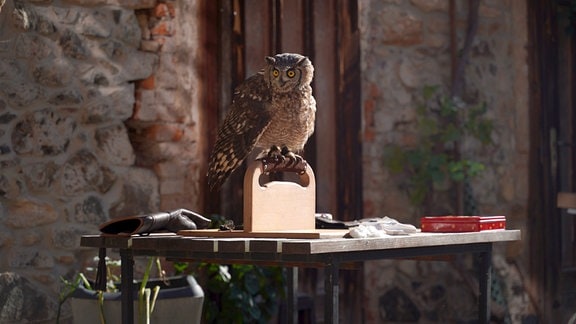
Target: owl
{"x":272,"y":114}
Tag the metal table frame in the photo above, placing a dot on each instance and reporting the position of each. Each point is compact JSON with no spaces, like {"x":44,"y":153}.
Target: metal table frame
{"x":293,"y":253}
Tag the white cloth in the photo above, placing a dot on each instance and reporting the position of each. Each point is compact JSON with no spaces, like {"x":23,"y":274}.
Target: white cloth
{"x":380,"y":227}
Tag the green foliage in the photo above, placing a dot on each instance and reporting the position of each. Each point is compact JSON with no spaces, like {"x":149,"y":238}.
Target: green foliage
{"x":242,"y":293}
{"x":441,"y":125}
{"x":238,"y":293}
{"x":69,"y":287}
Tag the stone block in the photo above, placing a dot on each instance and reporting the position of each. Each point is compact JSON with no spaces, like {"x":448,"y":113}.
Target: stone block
{"x":97,"y":111}
{"x":127,"y":28}
{"x":24,"y":213}
{"x":6,"y":118}
{"x":122,"y":100}
{"x":10,"y":69}
{"x":401,"y":28}
{"x":68,"y":236}
{"x":40,"y":177}
{"x":114,"y":145}
{"x":95,"y":75}
{"x":23,"y":302}
{"x":45,"y":23}
{"x":89,"y":211}
{"x":43,"y":133}
{"x":20,"y":94}
{"x":10,"y":186}
{"x":73,"y":46}
{"x":139,"y":194}
{"x":34,"y":46}
{"x":30,"y":238}
{"x":409,"y":72}
{"x":134,"y":65}
{"x":90,"y":22}
{"x":54,"y":73}
{"x":83,"y":173}
{"x":67,"y":97}
{"x":65,"y":15}
{"x":109,"y":104}
{"x":30,"y":257}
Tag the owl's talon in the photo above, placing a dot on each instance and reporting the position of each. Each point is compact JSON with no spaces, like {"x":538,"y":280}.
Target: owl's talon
{"x":282,"y":160}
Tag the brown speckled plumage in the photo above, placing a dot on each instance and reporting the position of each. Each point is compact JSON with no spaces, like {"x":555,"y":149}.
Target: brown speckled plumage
{"x":272,"y":107}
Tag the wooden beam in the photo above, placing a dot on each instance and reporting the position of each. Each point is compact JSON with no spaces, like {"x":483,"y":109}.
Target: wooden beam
{"x":325,"y":89}
{"x":348,"y":114}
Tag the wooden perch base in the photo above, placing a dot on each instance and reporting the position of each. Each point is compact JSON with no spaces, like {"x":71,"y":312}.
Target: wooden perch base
{"x":278,"y":205}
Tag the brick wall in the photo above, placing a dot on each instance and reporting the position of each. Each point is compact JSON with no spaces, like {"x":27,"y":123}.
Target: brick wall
{"x":164,"y":127}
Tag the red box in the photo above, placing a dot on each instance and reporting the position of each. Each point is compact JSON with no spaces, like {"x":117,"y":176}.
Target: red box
{"x":456,"y":224}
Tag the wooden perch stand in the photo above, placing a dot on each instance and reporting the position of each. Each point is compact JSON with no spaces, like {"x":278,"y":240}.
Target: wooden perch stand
{"x":276,"y":209}
{"x":278,"y":205}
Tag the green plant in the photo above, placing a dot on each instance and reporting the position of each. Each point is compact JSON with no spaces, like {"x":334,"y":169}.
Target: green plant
{"x":241,"y":293}
{"x":237,"y":293}
{"x":441,"y":124}
{"x":69,"y":287}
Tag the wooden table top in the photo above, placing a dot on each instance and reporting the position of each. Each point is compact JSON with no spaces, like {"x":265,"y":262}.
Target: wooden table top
{"x":222,"y":245}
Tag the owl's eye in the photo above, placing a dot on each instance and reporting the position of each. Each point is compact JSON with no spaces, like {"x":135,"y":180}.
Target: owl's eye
{"x":275,"y":73}
{"x":290,"y":73}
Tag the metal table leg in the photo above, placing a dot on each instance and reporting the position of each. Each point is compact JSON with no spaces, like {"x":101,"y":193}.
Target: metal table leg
{"x":127,"y":272}
{"x":331,"y":290}
{"x":292,"y":302}
{"x":484,"y":277}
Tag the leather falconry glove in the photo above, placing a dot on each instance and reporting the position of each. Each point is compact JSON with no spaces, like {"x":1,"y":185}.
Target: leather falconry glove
{"x":174,"y":221}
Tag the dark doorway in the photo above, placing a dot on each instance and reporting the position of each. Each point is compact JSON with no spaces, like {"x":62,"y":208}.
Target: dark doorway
{"x":553,"y":157}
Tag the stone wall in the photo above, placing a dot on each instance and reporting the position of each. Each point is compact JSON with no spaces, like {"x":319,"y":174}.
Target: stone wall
{"x":96,"y":122}
{"x":405,"y":46}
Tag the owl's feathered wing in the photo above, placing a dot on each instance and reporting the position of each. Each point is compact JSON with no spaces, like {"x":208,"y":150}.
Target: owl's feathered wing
{"x":247,"y":119}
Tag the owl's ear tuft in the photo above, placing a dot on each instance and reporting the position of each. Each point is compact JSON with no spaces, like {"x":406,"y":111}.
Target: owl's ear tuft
{"x":303,"y":61}
{"x":270,"y":60}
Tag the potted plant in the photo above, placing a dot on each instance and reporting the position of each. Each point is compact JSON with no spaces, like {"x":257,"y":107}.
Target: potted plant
{"x":176,"y":299}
